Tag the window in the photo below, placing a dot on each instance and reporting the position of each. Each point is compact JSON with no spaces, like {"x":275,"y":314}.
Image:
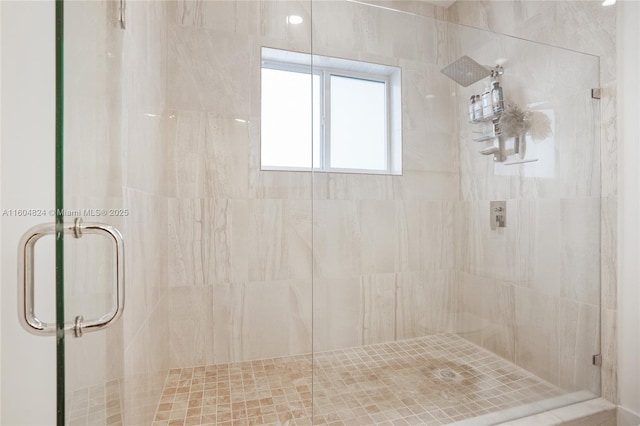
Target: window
{"x":335,"y":115}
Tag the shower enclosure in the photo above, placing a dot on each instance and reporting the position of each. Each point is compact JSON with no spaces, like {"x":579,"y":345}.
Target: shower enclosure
{"x":315,"y":293}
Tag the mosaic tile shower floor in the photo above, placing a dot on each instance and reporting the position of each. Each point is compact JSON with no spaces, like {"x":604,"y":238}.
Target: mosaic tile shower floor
{"x":434,"y":380}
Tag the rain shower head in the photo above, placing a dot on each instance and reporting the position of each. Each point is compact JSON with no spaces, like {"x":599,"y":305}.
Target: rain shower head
{"x":465,"y":71}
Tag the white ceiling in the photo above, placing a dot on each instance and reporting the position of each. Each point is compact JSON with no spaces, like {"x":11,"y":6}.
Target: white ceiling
{"x":441,"y":3}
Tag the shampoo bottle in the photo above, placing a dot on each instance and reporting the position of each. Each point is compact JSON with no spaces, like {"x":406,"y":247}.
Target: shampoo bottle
{"x":497,"y":98}
{"x":477,"y":108}
{"x":471,"y":109}
{"x":487,"y":107}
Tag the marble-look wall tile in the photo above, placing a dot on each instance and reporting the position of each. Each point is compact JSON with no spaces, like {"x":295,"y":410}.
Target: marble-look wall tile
{"x":377,"y":220}
{"x":427,"y":103}
{"x":587,"y":343}
{"x":281,"y":184}
{"x":609,"y":351}
{"x":503,"y":253}
{"x":441,"y":301}
{"x":469,"y":321}
{"x":265,"y":320}
{"x":425,"y":235}
{"x":230,"y":16}
{"x":356,"y":28}
{"x":580,"y":257}
{"x":411,"y":221}
{"x":379,"y":308}
{"x":426,"y":303}
{"x":352,"y":186}
{"x":428,"y":151}
{"x":190,"y":335}
{"x":546,"y":254}
{"x":337,"y":239}
{"x":261,"y":319}
{"x":558,"y":277}
{"x":415,"y":7}
{"x":411,"y":301}
{"x":537,"y":340}
{"x":498,"y":308}
{"x":228,"y":304}
{"x":144,"y":188}
{"x":145,"y":152}
{"x":337,"y":312}
{"x":608,"y":140}
{"x":144,"y":377}
{"x":485,"y":313}
{"x":208,"y":156}
{"x":209,"y":240}
{"x":301,"y":306}
{"x":609,"y":252}
{"x":414,"y":185}
{"x":147,"y":256}
{"x":209,"y":70}
{"x":275,"y":30}
{"x":568,"y":25}
{"x":279,"y":239}
{"x":93,"y":139}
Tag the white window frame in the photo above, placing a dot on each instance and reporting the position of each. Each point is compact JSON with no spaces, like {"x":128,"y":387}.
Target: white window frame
{"x":326,"y":67}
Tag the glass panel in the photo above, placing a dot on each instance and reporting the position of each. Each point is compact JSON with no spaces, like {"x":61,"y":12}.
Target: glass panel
{"x":89,"y":187}
{"x":358,"y":124}
{"x":416,"y":299}
{"x":287,"y":119}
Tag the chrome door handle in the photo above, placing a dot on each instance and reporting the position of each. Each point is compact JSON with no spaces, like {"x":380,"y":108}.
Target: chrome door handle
{"x":26,"y":313}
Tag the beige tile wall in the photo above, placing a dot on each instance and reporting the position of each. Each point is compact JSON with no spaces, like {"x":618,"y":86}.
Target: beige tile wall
{"x":115,"y":88}
{"x":242,"y":239}
{"x":239,"y":239}
{"x":558,"y":301}
{"x":143,"y":157}
{"x":93,"y":179}
{"x":390,"y":257}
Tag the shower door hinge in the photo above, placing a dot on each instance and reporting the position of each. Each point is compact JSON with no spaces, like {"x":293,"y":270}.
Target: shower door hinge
{"x":597,"y":360}
{"x":121,"y":16}
{"x":596,"y":93}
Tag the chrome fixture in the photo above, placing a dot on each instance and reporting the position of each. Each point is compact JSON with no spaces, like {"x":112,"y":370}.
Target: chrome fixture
{"x":26,"y":302}
{"x":597,"y":360}
{"x":121,"y":14}
{"x":498,"y":214}
{"x":465,"y":71}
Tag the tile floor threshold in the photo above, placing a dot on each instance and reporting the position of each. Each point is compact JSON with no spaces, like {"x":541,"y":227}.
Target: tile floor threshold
{"x":433,"y":380}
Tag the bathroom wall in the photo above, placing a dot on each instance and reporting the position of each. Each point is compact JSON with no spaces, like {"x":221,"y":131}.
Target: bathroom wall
{"x":143,"y":160}
{"x":387,"y":261}
{"x":541,"y":277}
{"x":115,"y":159}
{"x":239,"y":239}
{"x":92,"y":180}
{"x":242,"y":239}
{"x":383,"y":245}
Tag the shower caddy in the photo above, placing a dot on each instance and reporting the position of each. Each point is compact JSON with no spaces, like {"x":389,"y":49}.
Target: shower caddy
{"x":490,"y":126}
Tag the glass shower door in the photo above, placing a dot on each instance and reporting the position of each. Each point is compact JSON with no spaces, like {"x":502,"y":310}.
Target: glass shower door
{"x":90,"y":256}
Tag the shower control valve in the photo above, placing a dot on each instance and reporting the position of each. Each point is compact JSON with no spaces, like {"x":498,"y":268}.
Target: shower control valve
{"x":498,"y":214}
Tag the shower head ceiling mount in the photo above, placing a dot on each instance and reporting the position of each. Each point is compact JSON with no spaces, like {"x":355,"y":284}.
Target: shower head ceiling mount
{"x":465,"y":71}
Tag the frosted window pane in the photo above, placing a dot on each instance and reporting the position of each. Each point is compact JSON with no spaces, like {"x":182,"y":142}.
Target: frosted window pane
{"x":358,"y":116}
{"x":286,"y":125}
